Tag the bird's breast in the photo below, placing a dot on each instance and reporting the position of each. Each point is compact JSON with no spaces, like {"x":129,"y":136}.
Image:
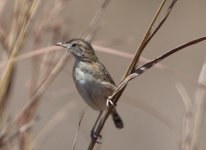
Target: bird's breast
{"x":89,"y":87}
{"x":83,"y":73}
{"x":79,"y":75}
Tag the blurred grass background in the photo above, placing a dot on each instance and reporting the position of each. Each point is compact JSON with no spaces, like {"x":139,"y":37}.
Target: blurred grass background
{"x":151,"y":106}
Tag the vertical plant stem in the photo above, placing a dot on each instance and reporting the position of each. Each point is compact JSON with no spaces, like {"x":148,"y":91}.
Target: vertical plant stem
{"x":128,"y":71}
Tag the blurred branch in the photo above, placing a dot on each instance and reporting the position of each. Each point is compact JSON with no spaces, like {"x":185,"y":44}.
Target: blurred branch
{"x":2,"y":38}
{"x":194,"y":116}
{"x":2,"y":5}
{"x":50,"y":30}
{"x":44,"y":81}
{"x":38,"y":93}
{"x":89,"y":32}
{"x":21,"y":130}
{"x":22,"y":17}
{"x":48,"y":17}
{"x":102,"y":49}
{"x":3,"y":31}
{"x":32,"y":54}
{"x":15,"y":46}
{"x":47,"y":63}
{"x":188,"y":118}
{"x":185,"y":98}
{"x":200,"y":104}
{"x":78,"y":127}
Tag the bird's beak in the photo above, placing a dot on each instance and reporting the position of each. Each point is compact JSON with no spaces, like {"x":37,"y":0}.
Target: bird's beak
{"x":62,"y":44}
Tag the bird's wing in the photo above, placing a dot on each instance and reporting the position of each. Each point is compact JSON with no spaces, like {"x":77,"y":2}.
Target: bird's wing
{"x":106,"y":77}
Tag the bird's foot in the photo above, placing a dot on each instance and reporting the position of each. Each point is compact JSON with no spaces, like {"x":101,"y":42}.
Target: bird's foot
{"x":94,"y":135}
{"x":110,"y":103}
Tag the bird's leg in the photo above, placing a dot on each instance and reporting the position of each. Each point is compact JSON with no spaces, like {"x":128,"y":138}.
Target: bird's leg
{"x":93,"y":134}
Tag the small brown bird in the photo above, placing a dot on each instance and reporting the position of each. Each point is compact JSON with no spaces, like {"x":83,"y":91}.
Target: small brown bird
{"x":91,"y":78}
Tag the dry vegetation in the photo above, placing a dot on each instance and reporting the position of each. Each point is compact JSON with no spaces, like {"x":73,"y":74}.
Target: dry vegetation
{"x":29,"y":25}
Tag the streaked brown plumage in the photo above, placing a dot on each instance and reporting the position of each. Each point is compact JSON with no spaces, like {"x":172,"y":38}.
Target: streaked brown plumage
{"x":91,"y":78}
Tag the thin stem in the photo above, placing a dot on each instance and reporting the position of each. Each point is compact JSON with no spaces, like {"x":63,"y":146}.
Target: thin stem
{"x":87,"y":34}
{"x":131,"y":67}
{"x":136,"y":73}
{"x":141,"y":47}
{"x":161,"y":22}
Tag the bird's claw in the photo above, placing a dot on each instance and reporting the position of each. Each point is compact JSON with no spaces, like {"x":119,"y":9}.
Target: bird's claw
{"x":109,"y":102}
{"x":94,"y":135}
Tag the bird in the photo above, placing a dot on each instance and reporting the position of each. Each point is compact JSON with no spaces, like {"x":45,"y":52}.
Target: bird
{"x":92,"y":80}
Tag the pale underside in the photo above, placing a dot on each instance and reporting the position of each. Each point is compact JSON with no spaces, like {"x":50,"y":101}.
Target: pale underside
{"x":93,"y":83}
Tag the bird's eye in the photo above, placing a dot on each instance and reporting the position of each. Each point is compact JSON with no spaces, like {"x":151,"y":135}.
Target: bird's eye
{"x":74,"y":45}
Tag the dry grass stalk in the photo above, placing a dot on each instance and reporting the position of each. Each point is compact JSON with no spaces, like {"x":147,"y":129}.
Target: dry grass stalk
{"x":188,"y":117}
{"x":64,"y":57}
{"x":47,"y":74}
{"x":136,"y":73}
{"x":22,"y":18}
{"x":102,"y":49}
{"x":88,"y":34}
{"x":27,"y":114}
{"x":78,"y":128}
{"x":194,"y":114}
{"x":36,"y":96}
{"x":15,"y":47}
{"x":44,"y":69}
{"x":131,"y":67}
{"x":133,"y":72}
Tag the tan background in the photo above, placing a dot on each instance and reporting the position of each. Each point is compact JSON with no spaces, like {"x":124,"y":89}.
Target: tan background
{"x":124,"y":21}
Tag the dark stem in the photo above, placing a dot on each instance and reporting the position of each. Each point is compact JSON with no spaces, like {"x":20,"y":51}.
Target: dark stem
{"x":131,"y":68}
{"x":133,"y":75}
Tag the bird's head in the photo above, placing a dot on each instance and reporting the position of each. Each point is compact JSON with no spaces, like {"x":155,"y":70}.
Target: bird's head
{"x":80,"y":48}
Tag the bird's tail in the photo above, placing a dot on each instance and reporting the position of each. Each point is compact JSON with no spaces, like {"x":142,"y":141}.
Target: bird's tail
{"x":117,"y":119}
